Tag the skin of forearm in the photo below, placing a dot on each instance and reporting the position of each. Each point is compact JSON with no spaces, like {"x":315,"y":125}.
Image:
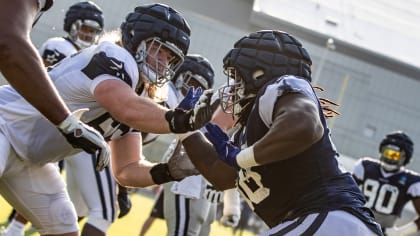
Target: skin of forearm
{"x":20,"y":63}
{"x":204,"y":157}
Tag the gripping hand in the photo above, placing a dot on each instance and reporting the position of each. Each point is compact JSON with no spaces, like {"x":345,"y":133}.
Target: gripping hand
{"x":200,"y":112}
{"x":225,"y":149}
{"x":82,"y":136}
{"x":179,"y":164}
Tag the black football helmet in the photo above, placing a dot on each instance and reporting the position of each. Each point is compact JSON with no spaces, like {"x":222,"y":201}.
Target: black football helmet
{"x":396,"y":150}
{"x":257,"y":59}
{"x":84,"y":22}
{"x":195,"y":69}
{"x":156,"y":25}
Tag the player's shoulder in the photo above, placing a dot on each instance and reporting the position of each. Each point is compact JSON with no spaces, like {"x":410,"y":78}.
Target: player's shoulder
{"x":415,"y":175}
{"x":60,"y":45}
{"x":367,"y":162}
{"x":113,"y":50}
{"x":287,"y":84}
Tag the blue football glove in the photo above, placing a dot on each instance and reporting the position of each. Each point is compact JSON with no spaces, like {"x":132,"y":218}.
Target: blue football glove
{"x":224,"y":147}
{"x":190,"y":99}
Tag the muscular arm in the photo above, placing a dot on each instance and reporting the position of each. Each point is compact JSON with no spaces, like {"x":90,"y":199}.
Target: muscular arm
{"x":20,"y":63}
{"x":129,"y":170}
{"x":127,"y":107}
{"x":204,"y":157}
{"x":416,"y":204}
{"x":296,"y":126}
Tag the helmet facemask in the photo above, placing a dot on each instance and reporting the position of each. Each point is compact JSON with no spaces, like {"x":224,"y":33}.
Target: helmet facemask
{"x":85,"y":33}
{"x":188,"y":79}
{"x":233,"y":96}
{"x":150,"y":63}
{"x":392,"y":157}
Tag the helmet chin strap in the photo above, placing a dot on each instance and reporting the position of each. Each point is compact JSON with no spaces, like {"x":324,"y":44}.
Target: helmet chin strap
{"x":389,"y":168}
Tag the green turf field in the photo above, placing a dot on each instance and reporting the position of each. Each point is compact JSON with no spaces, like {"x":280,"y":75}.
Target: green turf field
{"x":131,"y":224}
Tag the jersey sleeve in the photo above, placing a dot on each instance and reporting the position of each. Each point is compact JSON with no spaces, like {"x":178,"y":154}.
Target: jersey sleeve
{"x":56,"y":49}
{"x":359,"y":170}
{"x":111,"y":62}
{"x":414,"y":190}
{"x":284,"y":85}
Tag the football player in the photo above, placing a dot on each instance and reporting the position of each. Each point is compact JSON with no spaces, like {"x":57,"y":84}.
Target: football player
{"x":192,"y":212}
{"x":110,"y":81}
{"x":83,"y":22}
{"x":388,"y":185}
{"x":22,"y":67}
{"x":282,"y":158}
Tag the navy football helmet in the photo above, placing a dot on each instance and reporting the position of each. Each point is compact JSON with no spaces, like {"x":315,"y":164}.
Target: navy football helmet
{"x":196,"y":70}
{"x":257,"y":59}
{"x":84,"y":22}
{"x":396,"y":150}
{"x":150,"y":28}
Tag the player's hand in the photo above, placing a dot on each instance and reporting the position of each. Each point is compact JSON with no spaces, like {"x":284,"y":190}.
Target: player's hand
{"x":182,"y":121}
{"x":190,"y":99}
{"x":230,"y":220}
{"x":225,"y":149}
{"x":212,"y":195}
{"x":179,"y":165}
{"x":124,"y":202}
{"x":82,"y":136}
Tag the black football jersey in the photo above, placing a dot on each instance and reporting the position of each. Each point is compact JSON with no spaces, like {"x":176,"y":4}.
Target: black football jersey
{"x":308,"y":182}
{"x":385,"y":192}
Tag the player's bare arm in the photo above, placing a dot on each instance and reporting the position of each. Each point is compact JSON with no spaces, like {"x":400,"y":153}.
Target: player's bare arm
{"x":416,"y":204}
{"x":128,"y":168}
{"x":204,"y":157}
{"x":127,"y":107}
{"x":296,"y":126}
{"x":20,"y":63}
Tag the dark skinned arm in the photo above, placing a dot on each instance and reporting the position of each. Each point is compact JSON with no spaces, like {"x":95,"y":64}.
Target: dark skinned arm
{"x":204,"y":157}
{"x":296,"y":126}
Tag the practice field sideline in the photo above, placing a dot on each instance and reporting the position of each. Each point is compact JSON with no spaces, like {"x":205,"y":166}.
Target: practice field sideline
{"x":131,"y":224}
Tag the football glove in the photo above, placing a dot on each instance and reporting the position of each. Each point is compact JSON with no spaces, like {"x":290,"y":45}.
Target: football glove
{"x":124,"y":201}
{"x":200,"y":113}
{"x":178,"y":167}
{"x":82,"y":136}
{"x":225,"y":149}
{"x":190,"y":99}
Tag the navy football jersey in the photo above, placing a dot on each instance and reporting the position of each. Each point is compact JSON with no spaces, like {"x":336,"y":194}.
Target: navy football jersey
{"x":386,"y":192}
{"x":308,"y":182}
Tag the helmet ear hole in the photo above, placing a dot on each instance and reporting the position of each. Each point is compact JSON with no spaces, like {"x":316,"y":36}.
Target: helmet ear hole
{"x":258,"y":74}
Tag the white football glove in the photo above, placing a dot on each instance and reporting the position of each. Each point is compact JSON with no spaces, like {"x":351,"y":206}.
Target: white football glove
{"x":82,"y":136}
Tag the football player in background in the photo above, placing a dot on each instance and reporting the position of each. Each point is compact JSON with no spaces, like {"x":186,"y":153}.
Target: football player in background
{"x":282,"y":158}
{"x":111,"y":82}
{"x":388,"y":185}
{"x":84,"y":23}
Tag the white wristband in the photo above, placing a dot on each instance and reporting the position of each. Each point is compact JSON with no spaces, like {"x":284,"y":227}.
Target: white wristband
{"x":186,"y":135}
{"x":245,"y":158}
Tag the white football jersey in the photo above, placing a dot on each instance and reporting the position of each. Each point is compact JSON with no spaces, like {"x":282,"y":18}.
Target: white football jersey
{"x":56,"y":49}
{"x":37,"y":140}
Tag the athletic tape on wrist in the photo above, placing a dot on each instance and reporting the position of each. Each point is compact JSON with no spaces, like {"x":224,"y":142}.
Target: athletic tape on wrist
{"x":245,"y":158}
